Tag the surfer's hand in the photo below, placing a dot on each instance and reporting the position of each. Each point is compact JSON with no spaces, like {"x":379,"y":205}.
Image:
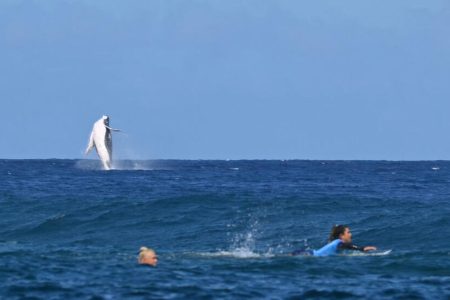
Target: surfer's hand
{"x":369,"y":248}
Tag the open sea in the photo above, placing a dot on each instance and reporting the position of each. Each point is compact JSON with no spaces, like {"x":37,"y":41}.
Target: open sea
{"x":222,"y":229}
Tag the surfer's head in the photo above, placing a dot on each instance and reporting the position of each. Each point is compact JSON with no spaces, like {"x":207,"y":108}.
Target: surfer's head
{"x":147,"y":256}
{"x":341,"y":232}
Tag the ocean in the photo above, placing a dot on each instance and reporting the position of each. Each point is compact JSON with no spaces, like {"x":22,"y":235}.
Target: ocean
{"x":222,"y":229}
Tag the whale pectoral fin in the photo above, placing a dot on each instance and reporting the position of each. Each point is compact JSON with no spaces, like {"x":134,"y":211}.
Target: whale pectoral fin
{"x":112,"y":129}
{"x":90,"y":145}
{"x":88,"y":150}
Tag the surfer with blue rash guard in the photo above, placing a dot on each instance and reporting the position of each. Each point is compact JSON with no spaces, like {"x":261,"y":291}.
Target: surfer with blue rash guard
{"x":340,"y":239}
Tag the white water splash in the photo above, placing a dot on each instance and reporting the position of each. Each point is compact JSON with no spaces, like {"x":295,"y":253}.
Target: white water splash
{"x":121,"y":165}
{"x":236,"y":253}
{"x":244,"y":245}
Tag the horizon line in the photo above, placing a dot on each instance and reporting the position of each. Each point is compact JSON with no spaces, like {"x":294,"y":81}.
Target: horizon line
{"x":241,"y":159}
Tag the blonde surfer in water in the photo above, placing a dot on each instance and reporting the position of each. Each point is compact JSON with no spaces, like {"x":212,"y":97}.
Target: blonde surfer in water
{"x":148,"y":257}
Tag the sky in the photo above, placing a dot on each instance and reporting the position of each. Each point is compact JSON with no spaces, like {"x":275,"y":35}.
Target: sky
{"x":235,"y":79}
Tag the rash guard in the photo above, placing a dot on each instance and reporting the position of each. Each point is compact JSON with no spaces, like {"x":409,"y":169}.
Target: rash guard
{"x":331,"y":248}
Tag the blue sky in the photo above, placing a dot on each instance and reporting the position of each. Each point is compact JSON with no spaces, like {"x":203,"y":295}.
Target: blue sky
{"x":227,"y":79}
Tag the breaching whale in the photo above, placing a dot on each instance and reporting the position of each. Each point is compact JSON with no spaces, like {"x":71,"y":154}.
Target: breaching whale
{"x":101,"y":139}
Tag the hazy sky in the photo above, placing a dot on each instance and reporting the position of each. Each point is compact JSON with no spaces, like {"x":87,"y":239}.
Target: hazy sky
{"x":227,"y":79}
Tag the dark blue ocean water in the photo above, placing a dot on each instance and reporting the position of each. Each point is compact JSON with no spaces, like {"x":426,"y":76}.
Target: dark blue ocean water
{"x":69,"y":230}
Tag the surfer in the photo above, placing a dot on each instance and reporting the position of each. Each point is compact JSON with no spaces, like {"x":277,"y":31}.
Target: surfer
{"x":147,"y":256}
{"x":340,"y":239}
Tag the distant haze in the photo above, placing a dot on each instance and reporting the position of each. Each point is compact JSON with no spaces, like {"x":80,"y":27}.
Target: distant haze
{"x":207,"y":79}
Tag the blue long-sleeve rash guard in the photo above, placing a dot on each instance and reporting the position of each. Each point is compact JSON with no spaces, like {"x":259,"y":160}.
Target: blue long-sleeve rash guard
{"x":331,"y":248}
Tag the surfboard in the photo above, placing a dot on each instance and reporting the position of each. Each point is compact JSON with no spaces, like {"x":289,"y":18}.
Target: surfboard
{"x":371,"y":253}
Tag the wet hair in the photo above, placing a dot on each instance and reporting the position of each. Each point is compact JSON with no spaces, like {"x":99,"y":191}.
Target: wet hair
{"x":143,"y":251}
{"x":336,"y":232}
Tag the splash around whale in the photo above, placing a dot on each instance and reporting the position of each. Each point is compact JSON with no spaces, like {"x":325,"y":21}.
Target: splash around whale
{"x":101,"y":139}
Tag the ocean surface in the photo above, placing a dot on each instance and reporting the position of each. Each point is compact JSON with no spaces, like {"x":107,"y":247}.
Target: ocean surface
{"x":222,"y":229}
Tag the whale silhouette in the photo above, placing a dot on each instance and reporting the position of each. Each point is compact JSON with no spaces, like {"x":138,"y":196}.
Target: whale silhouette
{"x":101,"y":139}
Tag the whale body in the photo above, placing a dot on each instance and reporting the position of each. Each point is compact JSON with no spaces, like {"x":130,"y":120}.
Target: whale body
{"x":101,"y":139}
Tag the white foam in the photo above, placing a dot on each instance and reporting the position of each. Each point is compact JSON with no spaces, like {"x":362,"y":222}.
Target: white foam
{"x":237,"y":253}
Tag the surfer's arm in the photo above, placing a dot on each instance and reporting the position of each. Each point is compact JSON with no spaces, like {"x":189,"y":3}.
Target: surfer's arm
{"x":350,"y":246}
{"x":370,"y":248}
